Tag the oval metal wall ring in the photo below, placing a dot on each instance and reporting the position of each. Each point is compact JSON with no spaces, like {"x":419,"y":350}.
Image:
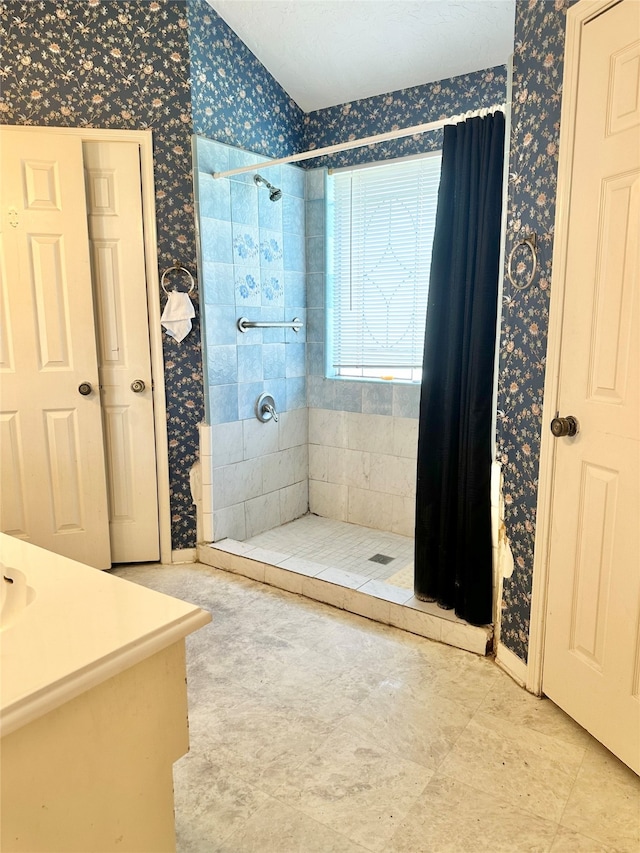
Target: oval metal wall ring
{"x":532,"y":243}
{"x":177,"y":268}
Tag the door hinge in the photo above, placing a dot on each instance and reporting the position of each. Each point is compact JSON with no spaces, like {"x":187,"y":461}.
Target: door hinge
{"x":13,"y":217}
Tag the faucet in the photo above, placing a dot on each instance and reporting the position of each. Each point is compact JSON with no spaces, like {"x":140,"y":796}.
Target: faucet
{"x":267,"y":407}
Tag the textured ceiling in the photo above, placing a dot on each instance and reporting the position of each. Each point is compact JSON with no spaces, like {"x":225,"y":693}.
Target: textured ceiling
{"x":331,"y":52}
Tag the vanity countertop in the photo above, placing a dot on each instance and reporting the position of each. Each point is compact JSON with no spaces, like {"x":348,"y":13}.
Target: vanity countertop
{"x":79,"y":627}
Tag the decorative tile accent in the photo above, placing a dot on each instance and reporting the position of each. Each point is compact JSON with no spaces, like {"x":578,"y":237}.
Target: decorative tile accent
{"x":272,"y":288}
{"x":247,"y":286}
{"x":271,"y":249}
{"x":246,"y":246}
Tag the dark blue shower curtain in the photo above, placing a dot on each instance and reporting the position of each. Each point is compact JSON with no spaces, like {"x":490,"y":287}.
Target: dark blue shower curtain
{"x":453,"y":502}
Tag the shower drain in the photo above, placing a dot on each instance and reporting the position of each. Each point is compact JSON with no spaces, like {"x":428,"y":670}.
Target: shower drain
{"x":381,"y":558}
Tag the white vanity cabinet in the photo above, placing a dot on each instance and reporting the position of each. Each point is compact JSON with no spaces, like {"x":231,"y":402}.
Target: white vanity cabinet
{"x":93,"y":709}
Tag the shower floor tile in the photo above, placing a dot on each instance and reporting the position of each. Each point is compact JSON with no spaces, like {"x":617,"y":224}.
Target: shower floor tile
{"x":330,"y":561}
{"x":340,"y":545}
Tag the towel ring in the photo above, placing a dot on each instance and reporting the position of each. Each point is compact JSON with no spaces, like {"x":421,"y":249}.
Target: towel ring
{"x":531,"y":242}
{"x":177,"y":268}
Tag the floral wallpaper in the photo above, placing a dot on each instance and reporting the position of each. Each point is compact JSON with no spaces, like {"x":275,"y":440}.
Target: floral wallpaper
{"x":403,"y":108}
{"x":107,"y":64}
{"x":235,"y":99}
{"x":102,"y":63}
{"x":533,"y":166}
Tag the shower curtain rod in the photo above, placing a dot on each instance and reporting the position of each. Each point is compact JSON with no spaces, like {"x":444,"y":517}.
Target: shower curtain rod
{"x":361,"y":143}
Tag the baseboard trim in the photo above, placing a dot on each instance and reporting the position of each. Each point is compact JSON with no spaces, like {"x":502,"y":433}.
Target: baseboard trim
{"x":184,"y":555}
{"x":511,"y":664}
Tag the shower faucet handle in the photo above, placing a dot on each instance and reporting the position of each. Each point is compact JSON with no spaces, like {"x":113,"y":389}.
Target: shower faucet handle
{"x":266,"y":408}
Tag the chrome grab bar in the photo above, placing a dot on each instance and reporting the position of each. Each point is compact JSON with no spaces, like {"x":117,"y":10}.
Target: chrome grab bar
{"x":243,"y":324}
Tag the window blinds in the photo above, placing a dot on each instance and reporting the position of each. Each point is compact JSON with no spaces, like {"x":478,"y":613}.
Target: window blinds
{"x":382,"y":220}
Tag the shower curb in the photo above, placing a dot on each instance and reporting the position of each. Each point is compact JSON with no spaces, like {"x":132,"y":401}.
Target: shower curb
{"x":348,"y":591}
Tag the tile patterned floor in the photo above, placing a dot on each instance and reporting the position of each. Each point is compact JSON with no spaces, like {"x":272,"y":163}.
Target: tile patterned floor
{"x":317,"y":731}
{"x":340,"y":545}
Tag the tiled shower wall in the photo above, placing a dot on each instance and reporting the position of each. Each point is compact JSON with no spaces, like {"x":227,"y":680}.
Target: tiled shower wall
{"x":252,"y":253}
{"x":362,"y":469}
{"x":362,"y":434}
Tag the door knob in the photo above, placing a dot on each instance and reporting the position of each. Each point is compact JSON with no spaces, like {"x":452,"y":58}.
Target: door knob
{"x":85,"y":388}
{"x":137,"y":386}
{"x":564,"y":426}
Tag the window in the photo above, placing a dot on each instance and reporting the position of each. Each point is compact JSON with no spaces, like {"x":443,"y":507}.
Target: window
{"x":380,"y":222}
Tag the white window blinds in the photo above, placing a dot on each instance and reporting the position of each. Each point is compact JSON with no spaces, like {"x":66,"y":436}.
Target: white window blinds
{"x":382,"y":220}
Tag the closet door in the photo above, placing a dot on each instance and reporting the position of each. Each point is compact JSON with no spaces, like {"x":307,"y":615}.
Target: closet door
{"x":114,"y":207}
{"x":52,"y":474}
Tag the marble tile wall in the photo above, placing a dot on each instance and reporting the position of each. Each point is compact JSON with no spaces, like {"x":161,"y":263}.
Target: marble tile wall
{"x":362,"y":468}
{"x":251,"y":254}
{"x":363,"y":434}
{"x":254,"y":475}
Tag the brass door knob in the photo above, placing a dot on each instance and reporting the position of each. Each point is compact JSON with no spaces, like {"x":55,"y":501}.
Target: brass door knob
{"x":85,"y":388}
{"x":564,"y":426}
{"x":137,"y":386}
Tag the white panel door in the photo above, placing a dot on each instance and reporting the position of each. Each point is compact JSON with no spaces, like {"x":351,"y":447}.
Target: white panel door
{"x":114,"y":206}
{"x":52,"y":475}
{"x":592,"y":642}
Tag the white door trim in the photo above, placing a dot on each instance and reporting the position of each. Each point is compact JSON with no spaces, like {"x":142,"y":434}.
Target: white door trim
{"x":577,"y":17}
{"x":144,"y":138}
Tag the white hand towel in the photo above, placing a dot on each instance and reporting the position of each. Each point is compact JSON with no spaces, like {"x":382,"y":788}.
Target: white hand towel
{"x":177,"y":314}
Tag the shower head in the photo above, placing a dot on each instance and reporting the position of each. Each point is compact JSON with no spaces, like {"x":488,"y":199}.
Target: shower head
{"x":274,"y":193}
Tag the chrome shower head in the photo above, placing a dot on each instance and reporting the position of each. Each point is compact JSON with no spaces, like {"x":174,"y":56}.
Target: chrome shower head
{"x":275,"y":194}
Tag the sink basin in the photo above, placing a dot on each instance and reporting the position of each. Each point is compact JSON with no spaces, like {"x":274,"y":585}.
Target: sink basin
{"x":15,"y":595}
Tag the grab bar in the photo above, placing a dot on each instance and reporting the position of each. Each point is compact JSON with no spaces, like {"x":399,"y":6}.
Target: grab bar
{"x":243,"y":324}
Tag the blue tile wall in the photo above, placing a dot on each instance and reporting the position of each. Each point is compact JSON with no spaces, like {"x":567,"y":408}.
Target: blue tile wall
{"x":244,"y":274}
{"x":273,"y":361}
{"x":250,"y":363}
{"x":123,"y":65}
{"x":218,"y":283}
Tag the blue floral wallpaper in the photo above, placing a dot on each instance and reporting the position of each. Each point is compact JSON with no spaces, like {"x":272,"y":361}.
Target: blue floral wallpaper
{"x":533,"y":166}
{"x":107,"y":64}
{"x":235,"y":99}
{"x":102,"y":63}
{"x":404,"y":108}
